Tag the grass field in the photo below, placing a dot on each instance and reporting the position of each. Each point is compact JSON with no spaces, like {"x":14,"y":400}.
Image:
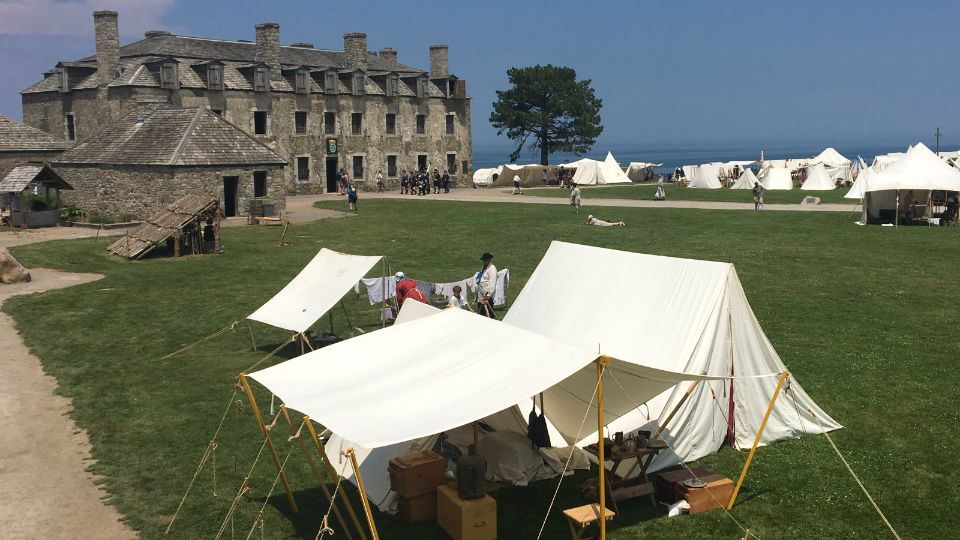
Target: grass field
{"x":865,"y":317}
{"x":679,"y":193}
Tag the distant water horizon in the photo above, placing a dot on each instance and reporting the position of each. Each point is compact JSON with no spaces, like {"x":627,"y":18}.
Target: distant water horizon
{"x":675,"y":156}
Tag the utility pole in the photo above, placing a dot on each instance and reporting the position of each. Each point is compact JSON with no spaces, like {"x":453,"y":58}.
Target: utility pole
{"x":938,"y":134}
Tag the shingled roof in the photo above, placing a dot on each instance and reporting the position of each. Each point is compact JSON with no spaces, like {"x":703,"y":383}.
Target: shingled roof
{"x":16,"y":137}
{"x":194,"y":137}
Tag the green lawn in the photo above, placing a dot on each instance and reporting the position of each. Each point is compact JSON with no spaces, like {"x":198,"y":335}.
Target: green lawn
{"x":865,"y":317}
{"x":679,"y":193}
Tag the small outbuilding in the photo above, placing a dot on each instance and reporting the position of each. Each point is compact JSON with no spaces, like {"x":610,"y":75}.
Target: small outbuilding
{"x":150,"y":158}
{"x":30,"y":196}
{"x":190,"y":226}
{"x":20,"y":145}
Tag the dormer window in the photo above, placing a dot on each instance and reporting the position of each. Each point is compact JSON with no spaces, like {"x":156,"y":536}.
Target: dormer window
{"x":359,"y":81}
{"x":64,"y":80}
{"x":261,"y":79}
{"x":215,"y":77}
{"x":330,"y":82}
{"x":303,"y":81}
{"x":422,"y":88}
{"x":169,"y":76}
{"x":393,"y":85}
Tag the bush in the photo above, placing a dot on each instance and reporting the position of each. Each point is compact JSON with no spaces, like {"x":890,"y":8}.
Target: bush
{"x":103,"y":220}
{"x":71,"y":212}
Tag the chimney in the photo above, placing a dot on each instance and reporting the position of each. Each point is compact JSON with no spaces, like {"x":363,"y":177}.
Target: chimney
{"x":355,"y":50}
{"x":108,"y":45}
{"x":389,"y":55}
{"x":439,"y":66}
{"x":268,"y":46}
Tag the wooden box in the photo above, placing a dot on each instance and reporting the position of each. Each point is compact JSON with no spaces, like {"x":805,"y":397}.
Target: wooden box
{"x":716,"y":494}
{"x":420,"y":508}
{"x":475,"y":519}
{"x":667,"y":482}
{"x":417,"y":474}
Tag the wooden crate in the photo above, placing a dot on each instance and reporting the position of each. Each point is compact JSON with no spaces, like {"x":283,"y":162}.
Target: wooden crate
{"x":475,"y":519}
{"x":417,"y":474}
{"x":666,"y":483}
{"x":420,"y":508}
{"x":716,"y":494}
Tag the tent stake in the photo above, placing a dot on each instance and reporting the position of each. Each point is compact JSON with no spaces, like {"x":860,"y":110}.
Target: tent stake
{"x":602,"y":363}
{"x":266,"y":436}
{"x":756,"y":442}
{"x":363,"y":493}
{"x":334,"y":474}
{"x":316,"y":471}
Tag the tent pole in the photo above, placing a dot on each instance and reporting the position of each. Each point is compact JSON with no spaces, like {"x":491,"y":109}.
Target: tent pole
{"x":386,"y":294}
{"x":250,"y":329}
{"x":266,"y":436}
{"x":363,"y":493}
{"x":896,"y":216}
{"x":602,"y":363}
{"x":756,"y":442}
{"x":675,"y":409}
{"x":313,"y":468}
{"x":332,"y":473}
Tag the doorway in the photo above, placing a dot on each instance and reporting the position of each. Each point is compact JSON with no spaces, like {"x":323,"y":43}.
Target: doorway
{"x":332,"y":175}
{"x":230,"y":184}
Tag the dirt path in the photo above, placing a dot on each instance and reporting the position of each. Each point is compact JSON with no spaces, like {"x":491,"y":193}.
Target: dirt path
{"x":44,"y":485}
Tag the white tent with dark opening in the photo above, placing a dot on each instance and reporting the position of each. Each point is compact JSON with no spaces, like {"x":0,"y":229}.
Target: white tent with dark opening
{"x":919,"y":171}
{"x":591,"y":173}
{"x":817,"y":179}
{"x":746,"y":180}
{"x":674,"y":314}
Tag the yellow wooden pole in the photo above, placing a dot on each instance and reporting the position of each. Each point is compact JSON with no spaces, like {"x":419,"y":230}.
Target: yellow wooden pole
{"x":675,"y":409}
{"x":756,"y":442}
{"x":363,"y":493}
{"x":315,"y":470}
{"x":266,"y":436}
{"x":334,"y":474}
{"x":602,"y":363}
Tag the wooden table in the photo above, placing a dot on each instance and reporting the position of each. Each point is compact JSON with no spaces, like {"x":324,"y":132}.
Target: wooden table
{"x":622,"y":487}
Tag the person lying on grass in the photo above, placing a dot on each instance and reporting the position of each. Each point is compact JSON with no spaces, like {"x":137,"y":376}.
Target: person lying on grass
{"x":601,"y":223}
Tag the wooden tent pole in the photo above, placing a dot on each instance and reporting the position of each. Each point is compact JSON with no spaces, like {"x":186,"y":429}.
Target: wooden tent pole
{"x":266,"y":436}
{"x":602,"y":363}
{"x":756,"y":442}
{"x":363,"y":493}
{"x":675,"y":409}
{"x":316,"y":470}
{"x":334,"y":474}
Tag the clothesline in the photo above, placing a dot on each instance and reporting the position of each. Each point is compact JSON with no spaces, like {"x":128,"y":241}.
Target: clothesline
{"x":375,"y":287}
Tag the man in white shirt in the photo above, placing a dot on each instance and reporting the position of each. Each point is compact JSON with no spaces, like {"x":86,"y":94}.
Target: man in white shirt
{"x":486,"y":286}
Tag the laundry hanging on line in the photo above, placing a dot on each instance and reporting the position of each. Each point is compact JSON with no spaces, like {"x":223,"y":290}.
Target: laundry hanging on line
{"x":375,"y":286}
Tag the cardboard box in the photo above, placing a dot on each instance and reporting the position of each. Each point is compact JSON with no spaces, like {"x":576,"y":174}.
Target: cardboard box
{"x":420,"y":508}
{"x":716,"y":494}
{"x":417,"y":474}
{"x":475,"y":519}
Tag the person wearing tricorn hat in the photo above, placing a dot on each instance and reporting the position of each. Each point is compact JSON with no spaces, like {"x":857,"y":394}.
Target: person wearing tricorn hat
{"x":486,"y":286}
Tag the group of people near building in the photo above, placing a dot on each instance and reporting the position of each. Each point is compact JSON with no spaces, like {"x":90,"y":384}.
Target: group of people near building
{"x":419,"y":182}
{"x":486,"y":281}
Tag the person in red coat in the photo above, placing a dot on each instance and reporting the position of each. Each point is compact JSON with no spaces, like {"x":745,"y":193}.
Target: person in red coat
{"x":407,"y":288}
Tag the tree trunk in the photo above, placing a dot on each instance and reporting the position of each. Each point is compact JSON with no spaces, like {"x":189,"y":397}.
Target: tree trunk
{"x":544,"y":155}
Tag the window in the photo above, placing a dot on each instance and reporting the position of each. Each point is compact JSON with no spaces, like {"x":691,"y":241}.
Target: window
{"x":300,"y":122}
{"x":260,"y":122}
{"x":261,"y":80}
{"x":330,"y":82}
{"x":357,"y":167}
{"x":422,"y":88}
{"x":452,"y":163}
{"x":259,"y":183}
{"x":64,"y":83}
{"x":330,"y":123}
{"x":391,"y":166}
{"x":421,"y":162}
{"x":356,"y":123}
{"x":215,"y":77}
{"x":169,"y":77}
{"x":421,"y":124}
{"x":392,"y":85}
{"x":71,"y":128}
{"x":450,"y":124}
{"x":463,"y":167}
{"x":391,"y":124}
{"x":303,"y":81}
{"x":303,"y":168}
{"x":359,"y":84}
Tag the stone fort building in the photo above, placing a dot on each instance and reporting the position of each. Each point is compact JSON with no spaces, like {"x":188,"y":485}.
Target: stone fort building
{"x":321,"y":110}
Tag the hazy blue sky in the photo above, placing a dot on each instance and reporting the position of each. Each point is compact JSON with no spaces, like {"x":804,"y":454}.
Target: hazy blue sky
{"x":670,"y":73}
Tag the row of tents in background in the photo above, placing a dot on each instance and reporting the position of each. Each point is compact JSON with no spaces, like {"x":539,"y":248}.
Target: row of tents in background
{"x":586,"y":172}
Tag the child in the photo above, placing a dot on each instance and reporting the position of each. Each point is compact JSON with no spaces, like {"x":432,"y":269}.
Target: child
{"x":458,"y":300}
{"x":352,"y":197}
{"x":575,"y":197}
{"x":601,"y":223}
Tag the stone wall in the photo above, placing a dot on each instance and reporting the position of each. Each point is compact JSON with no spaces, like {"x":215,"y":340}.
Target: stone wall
{"x":139,"y":191}
{"x":9,"y":160}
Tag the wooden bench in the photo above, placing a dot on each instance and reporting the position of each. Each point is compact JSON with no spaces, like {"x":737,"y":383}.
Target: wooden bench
{"x":581,"y":517}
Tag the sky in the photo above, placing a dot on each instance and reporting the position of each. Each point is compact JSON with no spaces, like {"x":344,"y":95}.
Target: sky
{"x":671,"y":74}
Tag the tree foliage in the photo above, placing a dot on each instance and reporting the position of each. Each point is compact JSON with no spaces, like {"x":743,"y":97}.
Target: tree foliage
{"x":549,"y":108}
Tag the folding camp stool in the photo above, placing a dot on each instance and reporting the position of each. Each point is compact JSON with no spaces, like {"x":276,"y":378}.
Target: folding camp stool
{"x":581,"y":517}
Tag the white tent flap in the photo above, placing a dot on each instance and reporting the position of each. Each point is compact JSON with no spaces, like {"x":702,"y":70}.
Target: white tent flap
{"x":316,"y":289}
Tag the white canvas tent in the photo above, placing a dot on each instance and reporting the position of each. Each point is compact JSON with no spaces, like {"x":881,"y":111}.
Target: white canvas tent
{"x":673,"y":314}
{"x":316,"y":289}
{"x":639,"y":171}
{"x":746,"y":180}
{"x":817,"y":179}
{"x":706,"y":176}
{"x":608,"y":171}
{"x":919,"y":170}
{"x":831,"y":158}
{"x":776,"y":178}
{"x":484,"y":177}
{"x":856,"y":191}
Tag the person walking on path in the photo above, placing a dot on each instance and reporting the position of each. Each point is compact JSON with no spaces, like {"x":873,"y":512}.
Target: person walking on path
{"x":352,"y":196}
{"x":575,"y":197}
{"x":660,"y":196}
{"x":404,"y":183}
{"x":486,"y":286}
{"x":757,"y":196}
{"x":516,"y":185}
{"x":379,"y":181}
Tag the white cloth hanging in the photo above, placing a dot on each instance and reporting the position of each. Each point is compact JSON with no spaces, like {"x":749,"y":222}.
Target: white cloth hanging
{"x":375,"y":288}
{"x":503,"y":281}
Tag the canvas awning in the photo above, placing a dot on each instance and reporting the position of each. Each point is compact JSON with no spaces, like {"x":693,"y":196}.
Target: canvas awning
{"x":919,"y":169}
{"x":316,"y":289}
{"x":406,"y":388}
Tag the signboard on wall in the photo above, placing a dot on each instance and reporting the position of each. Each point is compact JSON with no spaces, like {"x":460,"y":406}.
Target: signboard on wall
{"x":331,"y":145}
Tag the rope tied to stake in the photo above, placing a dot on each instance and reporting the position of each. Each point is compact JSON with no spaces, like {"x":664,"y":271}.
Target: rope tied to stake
{"x":224,"y":330}
{"x":325,"y":527}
